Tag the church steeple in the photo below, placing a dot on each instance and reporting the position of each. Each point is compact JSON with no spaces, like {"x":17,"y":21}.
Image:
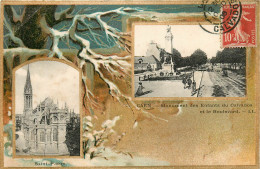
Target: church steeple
{"x":28,"y":92}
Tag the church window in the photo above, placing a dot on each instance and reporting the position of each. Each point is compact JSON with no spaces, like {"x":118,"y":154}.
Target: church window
{"x":35,"y":121}
{"x":55,"y":135}
{"x":32,"y":135}
{"x":42,"y":136}
{"x":48,"y":136}
{"x":54,"y":119}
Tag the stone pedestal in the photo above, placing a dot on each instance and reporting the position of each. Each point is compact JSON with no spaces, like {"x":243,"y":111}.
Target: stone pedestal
{"x":168,"y":67}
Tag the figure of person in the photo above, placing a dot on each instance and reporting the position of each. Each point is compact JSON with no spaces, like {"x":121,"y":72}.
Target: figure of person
{"x":193,"y":87}
{"x":140,"y":89}
{"x":240,"y":34}
{"x":189,"y":81}
{"x":226,"y":73}
{"x":184,"y":81}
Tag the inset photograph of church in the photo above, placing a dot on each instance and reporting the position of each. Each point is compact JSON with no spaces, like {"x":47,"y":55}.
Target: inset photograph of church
{"x":47,"y":110}
{"x":185,"y":61}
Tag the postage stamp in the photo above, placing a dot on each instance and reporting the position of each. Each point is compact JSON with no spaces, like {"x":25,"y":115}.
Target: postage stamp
{"x":244,"y":34}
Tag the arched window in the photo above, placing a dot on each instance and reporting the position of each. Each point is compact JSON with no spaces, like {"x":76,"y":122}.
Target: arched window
{"x":35,"y":121}
{"x":55,"y":134}
{"x":42,"y":136}
{"x":54,"y":119}
{"x":48,"y":136}
{"x":32,"y":135}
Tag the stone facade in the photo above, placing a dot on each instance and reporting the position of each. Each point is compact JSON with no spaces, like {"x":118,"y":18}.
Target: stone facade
{"x":147,"y":63}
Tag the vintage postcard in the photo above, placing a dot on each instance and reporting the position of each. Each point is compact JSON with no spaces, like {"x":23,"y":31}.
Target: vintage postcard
{"x":130,"y":84}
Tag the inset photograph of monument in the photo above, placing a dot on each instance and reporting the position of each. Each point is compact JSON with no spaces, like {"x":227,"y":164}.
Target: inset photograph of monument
{"x":186,"y":61}
{"x":47,"y":110}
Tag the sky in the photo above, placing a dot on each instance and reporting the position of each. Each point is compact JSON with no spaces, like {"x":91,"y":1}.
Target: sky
{"x":186,"y":39}
{"x":51,"y":79}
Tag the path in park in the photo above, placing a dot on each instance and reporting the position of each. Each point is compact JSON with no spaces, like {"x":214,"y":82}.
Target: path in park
{"x":212,"y":84}
{"x":231,"y":86}
{"x":168,"y":88}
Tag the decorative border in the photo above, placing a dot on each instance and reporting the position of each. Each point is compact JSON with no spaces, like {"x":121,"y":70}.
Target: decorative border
{"x":256,"y":77}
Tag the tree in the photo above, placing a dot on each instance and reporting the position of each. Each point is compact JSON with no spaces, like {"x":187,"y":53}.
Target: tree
{"x":176,"y":57}
{"x":213,"y":60}
{"x":73,"y":138}
{"x":198,"y":58}
{"x":219,"y":58}
{"x":231,"y":56}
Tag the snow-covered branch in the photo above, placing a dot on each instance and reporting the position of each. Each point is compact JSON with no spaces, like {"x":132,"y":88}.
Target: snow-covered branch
{"x":64,"y":14}
{"x":24,"y":53}
{"x":10,"y":34}
{"x":94,"y":140}
{"x":115,"y":65}
{"x":16,"y":16}
{"x":108,"y":67}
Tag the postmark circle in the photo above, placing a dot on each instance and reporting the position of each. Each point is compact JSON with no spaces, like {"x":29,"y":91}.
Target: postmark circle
{"x":223,"y":14}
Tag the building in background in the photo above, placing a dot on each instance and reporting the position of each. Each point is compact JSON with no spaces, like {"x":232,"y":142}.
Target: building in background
{"x":156,"y":57}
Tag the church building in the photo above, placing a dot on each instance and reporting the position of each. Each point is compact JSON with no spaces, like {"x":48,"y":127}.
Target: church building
{"x":43,"y":127}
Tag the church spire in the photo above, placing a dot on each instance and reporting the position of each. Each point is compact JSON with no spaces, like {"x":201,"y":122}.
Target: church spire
{"x":28,"y":85}
{"x":28,"y":92}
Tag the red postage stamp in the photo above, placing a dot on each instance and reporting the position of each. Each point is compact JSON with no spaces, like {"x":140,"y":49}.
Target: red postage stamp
{"x":244,"y":33}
